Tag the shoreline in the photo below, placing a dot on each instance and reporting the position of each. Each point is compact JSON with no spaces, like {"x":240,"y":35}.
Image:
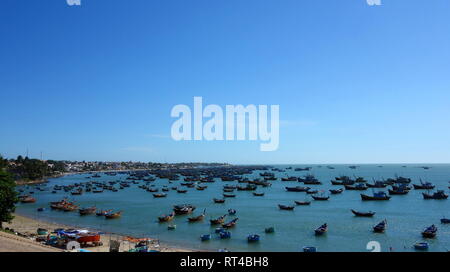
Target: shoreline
{"x":25,"y":228}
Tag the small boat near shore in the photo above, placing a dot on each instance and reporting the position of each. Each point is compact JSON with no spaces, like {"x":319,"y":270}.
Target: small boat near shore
{"x":114,"y":215}
{"x":217,"y":200}
{"x":336,"y":191}
{"x":303,"y":203}
{"x":87,"y":211}
{"x":430,"y":232}
{"x":198,"y":218}
{"x":321,"y":230}
{"x":166,"y":218}
{"x":380,"y":227}
{"x":218,"y":221}
{"x":230,"y":224}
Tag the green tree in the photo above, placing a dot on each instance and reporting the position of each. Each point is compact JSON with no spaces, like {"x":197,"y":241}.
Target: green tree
{"x":8,"y":197}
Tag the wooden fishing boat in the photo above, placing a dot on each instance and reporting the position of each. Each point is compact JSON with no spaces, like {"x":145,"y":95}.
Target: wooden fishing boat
{"x":285,"y":207}
{"x":201,"y":188}
{"x":27,"y":199}
{"x":297,"y":189}
{"x":321,"y":230}
{"x":445,"y":220}
{"x":113,"y":215}
{"x":103,"y":212}
{"x":85,"y":238}
{"x":312,"y":192}
{"x":430,"y":232}
{"x":230,"y":224}
{"x":183,"y":209}
{"x":166,"y":218}
{"x":197,"y":218}
{"x":376,"y":196}
{"x":226,"y":190}
{"x":357,"y":187}
{"x":229,"y":195}
{"x":335,"y":192}
{"x":87,"y":211}
{"x":180,"y":191}
{"x":423,"y":186}
{"x":380,"y":227}
{"x":302,"y":203}
{"x":320,"y":197}
{"x":159,"y":195}
{"x":363,"y":214}
{"x":440,"y":194}
{"x":398,"y":191}
{"x":258,"y":194}
{"x":217,"y":200}
{"x":218,"y":221}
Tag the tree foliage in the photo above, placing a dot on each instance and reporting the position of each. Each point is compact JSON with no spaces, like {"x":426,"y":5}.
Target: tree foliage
{"x":8,"y":196}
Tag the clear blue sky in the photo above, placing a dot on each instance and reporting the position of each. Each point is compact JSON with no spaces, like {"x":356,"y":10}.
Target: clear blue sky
{"x":355,"y":83}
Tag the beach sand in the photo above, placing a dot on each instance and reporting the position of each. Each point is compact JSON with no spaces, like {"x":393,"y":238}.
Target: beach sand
{"x":27,"y":227}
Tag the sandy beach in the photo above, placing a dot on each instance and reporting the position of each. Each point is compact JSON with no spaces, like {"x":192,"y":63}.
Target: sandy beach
{"x":25,"y":240}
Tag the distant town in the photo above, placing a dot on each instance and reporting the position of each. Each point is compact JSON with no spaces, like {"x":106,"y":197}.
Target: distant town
{"x":27,"y":170}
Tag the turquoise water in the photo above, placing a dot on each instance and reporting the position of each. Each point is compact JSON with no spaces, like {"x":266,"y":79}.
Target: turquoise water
{"x":406,"y":215}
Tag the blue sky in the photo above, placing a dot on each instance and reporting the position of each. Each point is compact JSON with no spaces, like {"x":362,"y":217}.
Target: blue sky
{"x":355,"y":83}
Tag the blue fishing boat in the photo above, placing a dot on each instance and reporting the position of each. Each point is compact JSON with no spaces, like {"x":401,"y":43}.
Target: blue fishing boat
{"x":225,"y":235}
{"x":205,"y":237}
{"x":445,"y":220}
{"x":421,"y":246}
{"x":309,"y":249}
{"x":253,"y":238}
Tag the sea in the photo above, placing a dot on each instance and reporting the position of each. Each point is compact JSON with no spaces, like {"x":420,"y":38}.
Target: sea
{"x":407,"y":215}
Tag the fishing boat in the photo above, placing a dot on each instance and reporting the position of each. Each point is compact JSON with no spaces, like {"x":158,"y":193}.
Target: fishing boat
{"x":86,"y":211}
{"x":309,"y":249}
{"x":112,"y":215}
{"x":312,"y":192}
{"x":90,"y":237}
{"x":41,"y":231}
{"x":171,"y":227}
{"x":356,"y":187}
{"x":269,"y":230}
{"x":335,"y":192}
{"x":166,"y":218}
{"x":398,"y":191}
{"x":380,"y":227}
{"x":230,"y":224}
{"x":430,"y":232}
{"x":27,"y":199}
{"x":320,"y":197}
{"x":103,"y":212}
{"x":229,"y":195}
{"x":198,"y":218}
{"x":181,"y":191}
{"x":205,"y":237}
{"x":253,"y":238}
{"x":363,"y":214}
{"x":445,"y":220}
{"x":440,"y":194}
{"x":218,"y":221}
{"x":377,"y":184}
{"x":183,"y":209}
{"x":376,"y":196}
{"x":423,"y":186}
{"x":286,"y":207}
{"x":297,"y":189}
{"x":421,"y":246}
{"x":302,"y":203}
{"x":225,"y":235}
{"x":258,"y":194}
{"x":201,"y":188}
{"x":159,"y":195}
{"x":289,"y":179}
{"x":231,"y":211}
{"x":321,"y":230}
{"x":217,"y":200}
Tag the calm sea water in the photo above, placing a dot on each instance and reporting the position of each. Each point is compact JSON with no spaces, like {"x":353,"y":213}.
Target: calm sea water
{"x":406,"y":215}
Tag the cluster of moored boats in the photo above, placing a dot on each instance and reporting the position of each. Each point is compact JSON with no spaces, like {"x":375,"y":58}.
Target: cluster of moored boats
{"x":181,"y":180}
